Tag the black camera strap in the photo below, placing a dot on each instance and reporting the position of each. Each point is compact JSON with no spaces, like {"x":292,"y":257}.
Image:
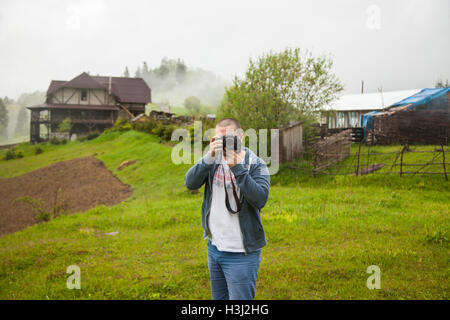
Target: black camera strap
{"x":236,"y":197}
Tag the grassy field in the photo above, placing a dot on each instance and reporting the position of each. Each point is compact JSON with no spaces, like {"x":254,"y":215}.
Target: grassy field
{"x":322,"y":233}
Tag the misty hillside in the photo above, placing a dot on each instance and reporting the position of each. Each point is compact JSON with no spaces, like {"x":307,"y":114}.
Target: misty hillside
{"x":173,"y":81}
{"x":18,"y":117}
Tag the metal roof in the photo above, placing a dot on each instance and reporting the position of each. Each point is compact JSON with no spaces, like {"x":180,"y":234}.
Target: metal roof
{"x":369,"y":101}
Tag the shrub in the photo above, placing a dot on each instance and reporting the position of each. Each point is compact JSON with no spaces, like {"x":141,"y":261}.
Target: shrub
{"x":92,"y":135}
{"x":38,"y":205}
{"x":168,"y":132}
{"x":10,"y":154}
{"x":158,"y":130}
{"x":146,"y":126}
{"x":19,"y":154}
{"x":54,"y":140}
{"x":121,"y":124}
{"x":38,"y":150}
{"x":89,"y":136}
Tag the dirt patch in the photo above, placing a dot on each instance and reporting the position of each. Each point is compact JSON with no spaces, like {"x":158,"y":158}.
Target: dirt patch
{"x":84,"y":182}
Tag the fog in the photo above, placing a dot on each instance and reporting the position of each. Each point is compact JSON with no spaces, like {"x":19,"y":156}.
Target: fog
{"x":393,"y":45}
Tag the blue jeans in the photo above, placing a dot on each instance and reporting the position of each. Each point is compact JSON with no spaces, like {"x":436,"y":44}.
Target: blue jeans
{"x":232,"y":274}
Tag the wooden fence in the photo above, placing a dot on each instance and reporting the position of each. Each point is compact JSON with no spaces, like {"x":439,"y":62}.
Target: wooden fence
{"x":358,"y":166}
{"x":291,"y":142}
{"x":330,"y":150}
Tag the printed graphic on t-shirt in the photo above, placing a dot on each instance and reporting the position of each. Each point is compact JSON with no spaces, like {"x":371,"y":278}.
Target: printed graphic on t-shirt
{"x":219,"y":178}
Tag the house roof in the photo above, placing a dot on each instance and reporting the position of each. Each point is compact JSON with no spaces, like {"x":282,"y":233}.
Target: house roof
{"x":126,"y":90}
{"x":164,"y":107}
{"x":369,"y":101}
{"x":46,"y":106}
{"x":423,"y":97}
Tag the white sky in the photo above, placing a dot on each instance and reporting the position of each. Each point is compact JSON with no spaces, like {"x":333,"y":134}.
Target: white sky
{"x":398,"y":45}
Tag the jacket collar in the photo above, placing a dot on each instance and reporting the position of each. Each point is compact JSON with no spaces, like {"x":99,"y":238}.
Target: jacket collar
{"x":246,"y":163}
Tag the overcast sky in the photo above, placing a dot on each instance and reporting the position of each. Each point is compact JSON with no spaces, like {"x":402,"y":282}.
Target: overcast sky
{"x":392,"y":44}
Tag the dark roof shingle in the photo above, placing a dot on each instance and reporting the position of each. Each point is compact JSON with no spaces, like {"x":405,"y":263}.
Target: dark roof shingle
{"x":126,"y":90}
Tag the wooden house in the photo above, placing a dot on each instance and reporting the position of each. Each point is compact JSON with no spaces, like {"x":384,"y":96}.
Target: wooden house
{"x":91,"y":102}
{"x":348,"y":110}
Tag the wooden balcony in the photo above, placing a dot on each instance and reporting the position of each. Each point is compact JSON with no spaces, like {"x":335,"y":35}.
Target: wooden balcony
{"x":77,"y":119}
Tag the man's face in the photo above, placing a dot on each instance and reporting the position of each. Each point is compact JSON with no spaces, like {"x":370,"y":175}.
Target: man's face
{"x":230,"y":130}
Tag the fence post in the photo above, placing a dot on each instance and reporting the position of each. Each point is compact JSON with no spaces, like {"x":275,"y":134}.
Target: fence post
{"x":401,"y":161}
{"x":443,"y":161}
{"x":357,"y":167}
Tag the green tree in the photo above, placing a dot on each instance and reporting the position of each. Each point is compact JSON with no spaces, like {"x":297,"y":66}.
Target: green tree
{"x":180,"y":71}
{"x":65,"y":125}
{"x":138,"y":73}
{"x":193,"y":104}
{"x":4,"y":119}
{"x":126,"y":73}
{"x":145,"y":69}
{"x":441,"y":84}
{"x":281,"y":87}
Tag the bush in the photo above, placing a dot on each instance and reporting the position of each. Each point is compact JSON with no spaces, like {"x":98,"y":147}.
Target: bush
{"x":38,"y":205}
{"x":146,"y":126}
{"x":54,"y":140}
{"x":38,"y":150}
{"x":12,"y":153}
{"x":168,"y":132}
{"x":89,"y":136}
{"x":158,"y":130}
{"x":121,"y":124}
{"x":19,"y":154}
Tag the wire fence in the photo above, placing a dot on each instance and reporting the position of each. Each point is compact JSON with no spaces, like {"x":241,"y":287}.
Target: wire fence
{"x":407,"y":161}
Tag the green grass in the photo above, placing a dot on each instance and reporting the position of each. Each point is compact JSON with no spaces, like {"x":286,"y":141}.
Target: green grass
{"x":322,"y":234}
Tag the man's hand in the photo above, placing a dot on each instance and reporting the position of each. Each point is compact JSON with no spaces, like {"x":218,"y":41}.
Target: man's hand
{"x":233,"y":158}
{"x":215,"y":145}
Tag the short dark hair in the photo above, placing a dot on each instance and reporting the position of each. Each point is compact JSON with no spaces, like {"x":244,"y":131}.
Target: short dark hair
{"x":227,"y":121}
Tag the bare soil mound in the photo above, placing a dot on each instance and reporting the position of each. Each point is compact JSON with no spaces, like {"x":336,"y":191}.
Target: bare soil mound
{"x":84,"y":182}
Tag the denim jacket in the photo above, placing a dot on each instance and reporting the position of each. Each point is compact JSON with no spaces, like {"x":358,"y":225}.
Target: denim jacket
{"x":253,"y":180}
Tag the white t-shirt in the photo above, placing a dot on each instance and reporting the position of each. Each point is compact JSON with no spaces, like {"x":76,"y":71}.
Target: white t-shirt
{"x":224,"y":226}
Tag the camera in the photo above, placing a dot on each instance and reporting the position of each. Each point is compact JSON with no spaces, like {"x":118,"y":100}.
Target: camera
{"x":232,"y":142}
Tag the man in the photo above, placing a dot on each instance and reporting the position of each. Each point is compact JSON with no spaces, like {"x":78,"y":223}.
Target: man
{"x":236,"y":188}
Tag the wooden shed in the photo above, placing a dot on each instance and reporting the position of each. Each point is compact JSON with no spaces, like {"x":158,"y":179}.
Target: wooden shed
{"x":291,"y":141}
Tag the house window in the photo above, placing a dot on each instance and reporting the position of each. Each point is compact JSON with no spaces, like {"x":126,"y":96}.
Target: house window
{"x":340,"y":121}
{"x":83,"y":95}
{"x":330,"y":122}
{"x":353,"y":118}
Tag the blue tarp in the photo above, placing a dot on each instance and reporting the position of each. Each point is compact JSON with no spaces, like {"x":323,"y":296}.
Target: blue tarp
{"x":424,"y":96}
{"x":367,"y":122}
